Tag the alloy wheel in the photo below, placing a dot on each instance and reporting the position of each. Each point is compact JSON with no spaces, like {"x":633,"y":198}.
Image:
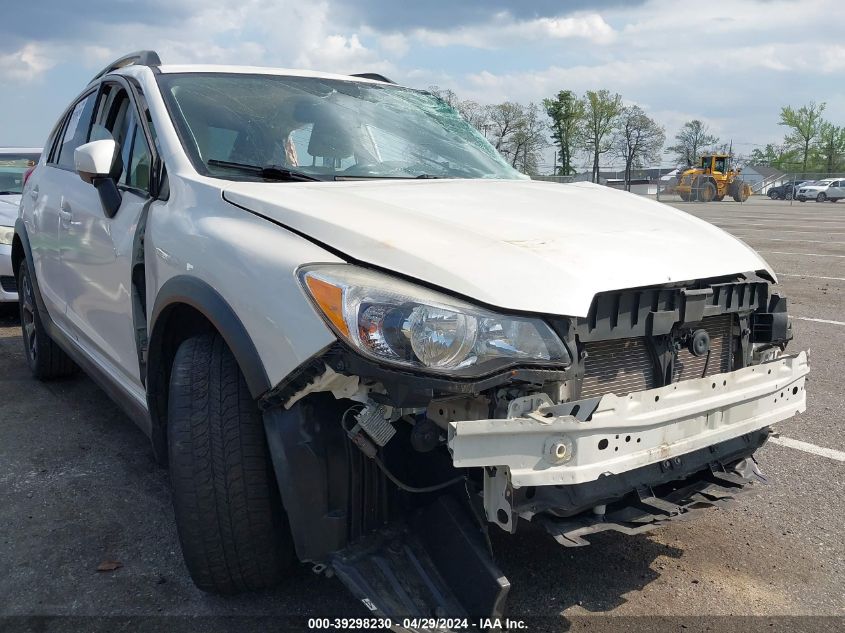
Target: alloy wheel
{"x":28,"y":318}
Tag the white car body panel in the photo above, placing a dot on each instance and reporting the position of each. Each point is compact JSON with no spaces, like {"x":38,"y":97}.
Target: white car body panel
{"x":9,"y":209}
{"x":823,"y":186}
{"x":8,"y":214}
{"x":515,"y":245}
{"x":252,"y":264}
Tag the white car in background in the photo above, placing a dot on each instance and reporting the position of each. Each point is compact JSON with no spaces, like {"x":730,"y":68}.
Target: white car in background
{"x":831,"y":189}
{"x":14,"y":162}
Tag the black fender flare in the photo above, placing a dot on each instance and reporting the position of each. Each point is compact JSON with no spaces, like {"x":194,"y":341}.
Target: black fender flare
{"x":203,"y":298}
{"x":184,"y":290}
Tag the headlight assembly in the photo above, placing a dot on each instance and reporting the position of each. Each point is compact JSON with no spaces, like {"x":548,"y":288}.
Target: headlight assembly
{"x":6,"y":234}
{"x":400,"y":323}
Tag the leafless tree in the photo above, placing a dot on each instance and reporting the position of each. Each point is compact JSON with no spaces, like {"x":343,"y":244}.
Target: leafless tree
{"x":693,"y":139}
{"x":529,"y":140}
{"x":638,"y":139}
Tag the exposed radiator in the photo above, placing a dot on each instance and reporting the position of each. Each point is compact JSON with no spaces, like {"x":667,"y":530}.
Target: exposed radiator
{"x":688,"y":366}
{"x":619,"y":366}
{"x":622,"y":366}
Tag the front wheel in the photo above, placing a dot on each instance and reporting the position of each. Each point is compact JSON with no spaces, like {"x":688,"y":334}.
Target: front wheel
{"x":788,"y":196}
{"x":821,"y":197}
{"x":229,"y":515}
{"x":773,"y":195}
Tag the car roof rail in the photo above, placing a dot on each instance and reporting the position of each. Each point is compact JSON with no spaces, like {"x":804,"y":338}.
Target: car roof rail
{"x":138,"y":58}
{"x":375,"y":76}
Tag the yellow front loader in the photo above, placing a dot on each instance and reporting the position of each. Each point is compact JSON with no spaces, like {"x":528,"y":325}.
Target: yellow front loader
{"x":713,"y":179}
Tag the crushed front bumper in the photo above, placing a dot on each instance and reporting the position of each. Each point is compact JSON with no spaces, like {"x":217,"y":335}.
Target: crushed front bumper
{"x":624,"y":433}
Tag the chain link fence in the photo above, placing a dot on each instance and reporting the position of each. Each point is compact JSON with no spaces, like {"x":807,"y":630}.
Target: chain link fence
{"x":682,"y":185}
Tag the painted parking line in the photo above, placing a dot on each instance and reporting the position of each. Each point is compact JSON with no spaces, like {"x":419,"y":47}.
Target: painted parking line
{"x":789,"y":239}
{"x":740,"y":229}
{"x":810,"y":276}
{"x":774,"y":218}
{"x":778,"y":227}
{"x":830,"y":322}
{"x":808,"y":448}
{"x":803,"y":254}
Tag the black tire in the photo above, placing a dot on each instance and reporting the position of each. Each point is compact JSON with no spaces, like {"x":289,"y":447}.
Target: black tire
{"x":774,"y":195}
{"x":788,"y":196}
{"x":738,"y":190}
{"x":233,"y":530}
{"x":705,"y":190}
{"x":45,"y":358}
{"x":821,"y":197}
{"x":802,"y":199}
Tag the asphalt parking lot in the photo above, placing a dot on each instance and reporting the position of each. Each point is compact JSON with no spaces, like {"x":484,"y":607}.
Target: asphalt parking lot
{"x":78,"y":487}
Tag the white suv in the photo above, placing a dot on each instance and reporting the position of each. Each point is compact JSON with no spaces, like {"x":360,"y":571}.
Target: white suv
{"x":358,"y":337}
{"x":831,"y":189}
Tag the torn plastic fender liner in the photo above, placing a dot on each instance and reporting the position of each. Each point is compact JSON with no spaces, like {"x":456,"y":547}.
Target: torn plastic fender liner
{"x":641,"y":428}
{"x":433,"y":564}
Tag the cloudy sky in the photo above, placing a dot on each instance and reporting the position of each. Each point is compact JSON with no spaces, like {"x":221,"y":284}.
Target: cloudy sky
{"x":732,"y":64}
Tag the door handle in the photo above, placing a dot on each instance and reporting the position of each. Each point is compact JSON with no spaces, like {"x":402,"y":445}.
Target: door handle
{"x":33,"y":193}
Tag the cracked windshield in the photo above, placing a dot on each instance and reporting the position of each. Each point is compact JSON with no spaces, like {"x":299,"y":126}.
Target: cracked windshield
{"x":306,"y":128}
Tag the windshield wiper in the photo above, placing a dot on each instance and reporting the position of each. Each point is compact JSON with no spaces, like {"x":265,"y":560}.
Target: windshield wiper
{"x":340,"y":177}
{"x":268,"y":172}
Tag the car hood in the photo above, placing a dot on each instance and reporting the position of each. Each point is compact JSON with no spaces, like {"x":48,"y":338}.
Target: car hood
{"x":517,"y":245}
{"x":9,"y":208}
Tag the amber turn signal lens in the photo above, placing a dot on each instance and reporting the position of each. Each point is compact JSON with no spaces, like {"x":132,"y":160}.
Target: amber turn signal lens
{"x":330,"y":300}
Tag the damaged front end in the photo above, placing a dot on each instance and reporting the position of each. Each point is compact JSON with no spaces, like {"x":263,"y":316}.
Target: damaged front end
{"x":431,"y":419}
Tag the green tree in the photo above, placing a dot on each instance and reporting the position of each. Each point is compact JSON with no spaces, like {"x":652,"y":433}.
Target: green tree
{"x":693,"y":139}
{"x":638,"y":139}
{"x":566,"y":111}
{"x":804,"y":124}
{"x":831,"y":147}
{"x":771,"y":155}
{"x":601,"y":111}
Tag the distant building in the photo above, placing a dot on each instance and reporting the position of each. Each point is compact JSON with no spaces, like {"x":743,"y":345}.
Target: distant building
{"x":762,"y":177}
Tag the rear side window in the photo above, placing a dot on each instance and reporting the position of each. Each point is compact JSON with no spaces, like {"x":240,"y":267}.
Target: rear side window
{"x":76,"y":130}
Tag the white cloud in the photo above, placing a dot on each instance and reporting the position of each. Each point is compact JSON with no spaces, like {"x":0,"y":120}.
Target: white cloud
{"x":26,"y":64}
{"x":505,"y":32}
{"x":395,"y":44}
